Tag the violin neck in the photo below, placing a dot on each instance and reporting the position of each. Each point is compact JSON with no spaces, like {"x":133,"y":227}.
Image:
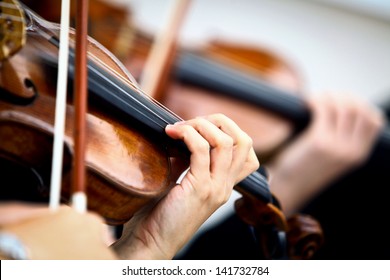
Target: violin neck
{"x":121,"y":95}
{"x":196,"y":69}
{"x":201,"y":71}
{"x":136,"y":105}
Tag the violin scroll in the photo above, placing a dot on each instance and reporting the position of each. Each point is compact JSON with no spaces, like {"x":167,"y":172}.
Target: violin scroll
{"x":12,"y":28}
{"x":305,"y":237}
{"x":298,"y":237}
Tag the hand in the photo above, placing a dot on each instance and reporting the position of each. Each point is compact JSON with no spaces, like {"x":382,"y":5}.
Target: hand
{"x":339,"y":138}
{"x":221,"y":156}
{"x":62,"y":234}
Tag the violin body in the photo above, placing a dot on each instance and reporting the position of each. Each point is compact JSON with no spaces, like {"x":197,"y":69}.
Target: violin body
{"x":122,"y":176}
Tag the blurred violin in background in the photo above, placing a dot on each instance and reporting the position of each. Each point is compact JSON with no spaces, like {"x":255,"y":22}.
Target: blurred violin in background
{"x":266,"y":63}
{"x":183,"y":98}
{"x":268,"y":88}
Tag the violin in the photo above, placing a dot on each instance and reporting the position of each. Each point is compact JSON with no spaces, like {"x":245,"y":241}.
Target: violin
{"x":26,"y":115}
{"x":266,"y":86}
{"x":178,"y":95}
{"x":211,"y":76}
{"x":282,"y":103}
{"x":27,"y":104}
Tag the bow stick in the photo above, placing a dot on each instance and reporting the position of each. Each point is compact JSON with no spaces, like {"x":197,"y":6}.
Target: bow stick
{"x":79,"y":201}
{"x":161,"y":57}
{"x":60,"y":110}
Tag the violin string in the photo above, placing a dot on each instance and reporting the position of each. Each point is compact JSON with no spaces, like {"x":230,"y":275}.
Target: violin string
{"x":142,"y":100}
{"x":254,"y":183}
{"x":158,"y":113}
{"x":163,"y":107}
{"x":133,"y":47}
{"x":165,"y":115}
{"x":146,"y":96}
{"x":121,"y":95}
{"x":169,"y":115}
{"x":259,"y":191}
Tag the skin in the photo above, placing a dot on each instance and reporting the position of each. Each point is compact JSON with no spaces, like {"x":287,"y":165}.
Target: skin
{"x":57,"y":234}
{"x":221,"y":155}
{"x":342,"y":133}
{"x":339,"y":139}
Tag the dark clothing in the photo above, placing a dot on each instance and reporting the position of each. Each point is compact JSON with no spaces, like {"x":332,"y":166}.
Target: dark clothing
{"x":354,"y":214}
{"x":226,"y":241}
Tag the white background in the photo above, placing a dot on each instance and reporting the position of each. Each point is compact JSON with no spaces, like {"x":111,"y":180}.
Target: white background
{"x":113,"y":270}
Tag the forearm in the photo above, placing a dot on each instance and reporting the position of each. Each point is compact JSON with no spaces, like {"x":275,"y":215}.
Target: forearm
{"x":130,"y":250}
{"x":293,"y":189}
{"x":298,"y":177}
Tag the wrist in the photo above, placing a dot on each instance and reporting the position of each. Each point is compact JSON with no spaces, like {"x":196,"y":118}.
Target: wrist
{"x":293,"y":187}
{"x":136,"y":249}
